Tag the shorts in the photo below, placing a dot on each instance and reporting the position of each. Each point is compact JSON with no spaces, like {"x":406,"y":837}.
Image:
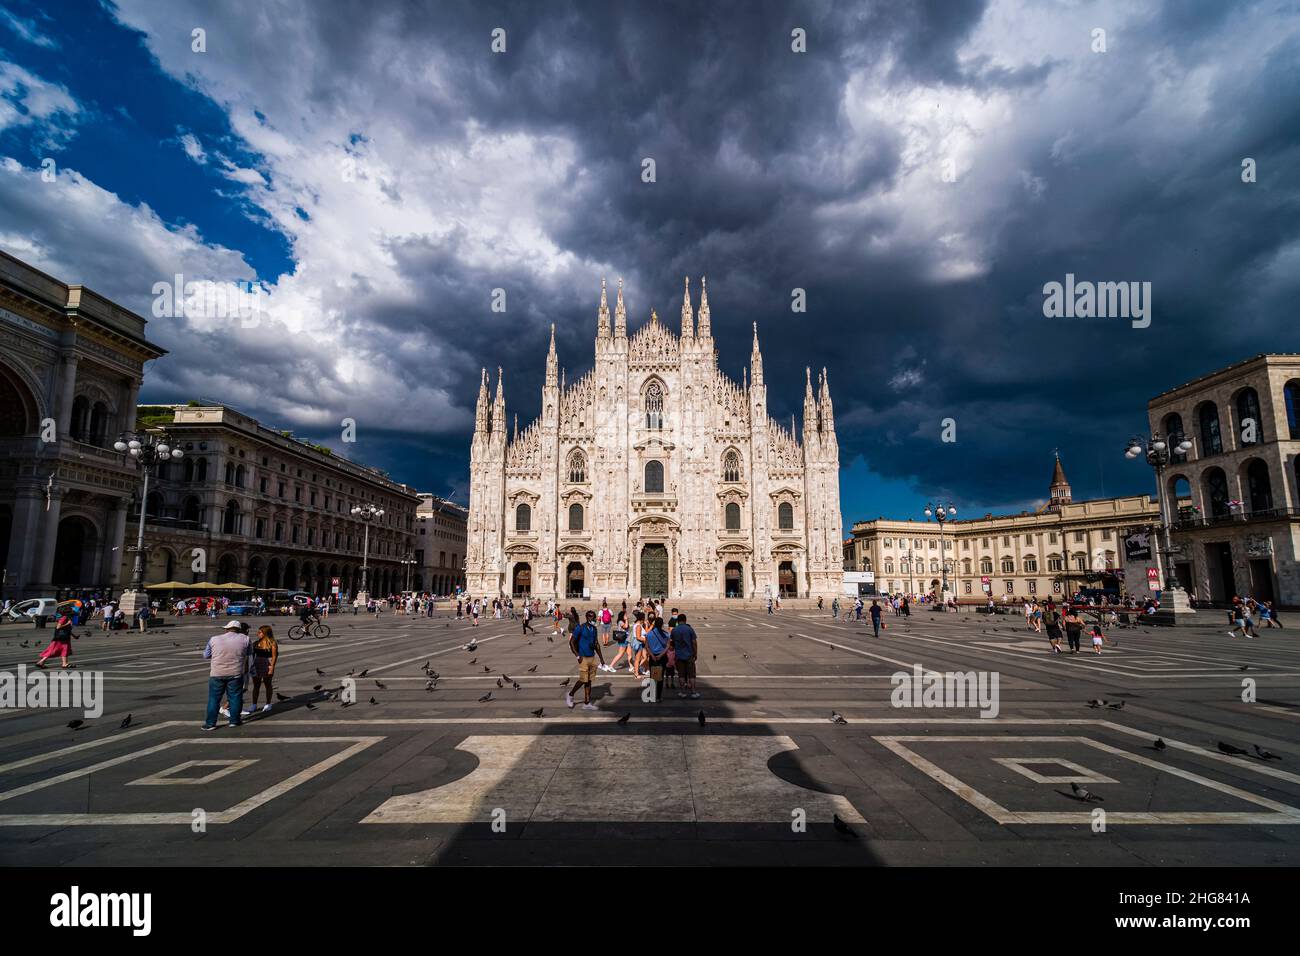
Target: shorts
{"x":1096,"y":642}
{"x":686,"y":668}
{"x":586,"y":669}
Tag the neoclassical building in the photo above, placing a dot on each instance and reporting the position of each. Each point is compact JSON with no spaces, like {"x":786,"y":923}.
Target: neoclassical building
{"x":1235,"y":495}
{"x":439,"y":545}
{"x":71,"y":365}
{"x":655,"y":474}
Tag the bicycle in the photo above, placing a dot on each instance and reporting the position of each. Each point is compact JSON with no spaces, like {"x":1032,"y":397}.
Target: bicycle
{"x":318,"y":631}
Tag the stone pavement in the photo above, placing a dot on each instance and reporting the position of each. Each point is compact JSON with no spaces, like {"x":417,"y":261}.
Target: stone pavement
{"x":429,"y":777}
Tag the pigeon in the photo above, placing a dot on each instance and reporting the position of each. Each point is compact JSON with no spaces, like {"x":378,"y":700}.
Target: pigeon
{"x":1244,"y":667}
{"x":373,"y":701}
{"x":311,"y":706}
{"x":1098,"y":702}
{"x":499,"y":684}
{"x":316,"y":687}
{"x":841,"y":826}
{"x":320,"y":672}
{"x":174,"y":643}
{"x":625,"y":718}
{"x":474,"y":661}
{"x":425,"y":668}
{"x":515,"y":685}
{"x":1159,"y":744}
{"x":126,"y":722}
{"x":538,"y":711}
{"x":565,"y":682}
{"x":75,"y":724}
{"x":1087,"y":796}
{"x":533,"y":669}
{"x":1263,"y":754}
{"x":700,"y":718}
{"x":281,"y":697}
{"x":485,"y":698}
{"x":471,"y":646}
{"x":430,"y":686}
{"x":506,"y":678}
{"x":1231,"y":751}
{"x":1116,"y":705}
{"x":381,"y":685}
{"x":837,"y":719}
{"x":486,"y":669}
{"x":364,"y":672}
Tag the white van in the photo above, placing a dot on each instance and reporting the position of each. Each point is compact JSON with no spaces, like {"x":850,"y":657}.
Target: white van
{"x":28,"y":610}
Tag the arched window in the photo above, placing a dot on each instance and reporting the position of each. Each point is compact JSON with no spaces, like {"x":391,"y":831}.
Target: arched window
{"x":523,"y":518}
{"x":239,"y":476}
{"x":654,"y":406}
{"x":654,"y":477}
{"x":577,"y":466}
{"x":201,"y":470}
{"x":99,"y":424}
{"x":785,"y":516}
{"x":1216,"y":491}
{"x":1031,"y":564}
{"x":1259,"y":486}
{"x":733,"y":516}
{"x":1008,"y":565}
{"x":575,"y":517}
{"x":80,"y":424}
{"x":230,"y":521}
{"x":190,"y":509}
{"x":731,"y":466}
{"x":1211,"y":440}
{"x":1291,"y":397}
{"x":230,"y":472}
{"x":1174,"y":434}
{"x":1055,"y":562}
{"x":889,"y":567}
{"x":1248,"y":411}
{"x":986,"y":565}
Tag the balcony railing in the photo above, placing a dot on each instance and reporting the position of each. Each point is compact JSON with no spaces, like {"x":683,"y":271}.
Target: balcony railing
{"x":1234,"y":517}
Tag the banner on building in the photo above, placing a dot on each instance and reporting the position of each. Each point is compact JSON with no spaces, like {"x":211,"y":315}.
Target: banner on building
{"x":1137,"y":545}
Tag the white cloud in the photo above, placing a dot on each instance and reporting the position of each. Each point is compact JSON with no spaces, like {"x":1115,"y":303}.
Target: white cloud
{"x":27,"y":100}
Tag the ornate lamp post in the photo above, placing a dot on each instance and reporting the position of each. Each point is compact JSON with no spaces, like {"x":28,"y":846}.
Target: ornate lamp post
{"x":1159,"y":453}
{"x":149,"y":449}
{"x":942,"y":514}
{"x":406,"y":576}
{"x":365,"y":514}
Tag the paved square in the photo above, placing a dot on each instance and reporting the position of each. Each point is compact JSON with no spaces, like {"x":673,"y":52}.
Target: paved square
{"x":474,"y":771}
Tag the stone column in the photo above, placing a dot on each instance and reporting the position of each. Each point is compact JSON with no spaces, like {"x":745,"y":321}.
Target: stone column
{"x":126,"y":414}
{"x":66,"y":387}
{"x":43,"y":572}
{"x":20,"y":563}
{"x":114,"y":539}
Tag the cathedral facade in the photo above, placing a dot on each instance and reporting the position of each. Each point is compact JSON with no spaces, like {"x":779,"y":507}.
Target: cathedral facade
{"x":655,"y":474}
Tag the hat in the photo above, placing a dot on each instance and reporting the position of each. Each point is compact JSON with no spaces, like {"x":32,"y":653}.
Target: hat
{"x":233,"y":625}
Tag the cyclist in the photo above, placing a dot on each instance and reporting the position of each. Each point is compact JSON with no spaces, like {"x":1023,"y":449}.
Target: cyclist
{"x":307,"y":615}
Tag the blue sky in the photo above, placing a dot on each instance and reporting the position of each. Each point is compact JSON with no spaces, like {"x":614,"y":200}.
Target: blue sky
{"x":377,"y":171}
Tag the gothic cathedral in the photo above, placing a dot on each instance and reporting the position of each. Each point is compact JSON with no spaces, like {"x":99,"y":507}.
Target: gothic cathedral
{"x":655,"y":475}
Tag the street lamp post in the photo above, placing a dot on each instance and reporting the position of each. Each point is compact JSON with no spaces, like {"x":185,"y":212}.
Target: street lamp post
{"x":942,"y":515}
{"x":365,"y":514}
{"x":150,"y":450}
{"x":1159,"y":454}
{"x":406,"y":577}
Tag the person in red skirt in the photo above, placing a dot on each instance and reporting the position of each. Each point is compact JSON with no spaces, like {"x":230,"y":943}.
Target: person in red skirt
{"x":61,"y":644}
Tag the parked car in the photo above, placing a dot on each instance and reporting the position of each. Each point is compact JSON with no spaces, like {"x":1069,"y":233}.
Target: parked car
{"x":28,"y":610}
{"x":241,"y":608}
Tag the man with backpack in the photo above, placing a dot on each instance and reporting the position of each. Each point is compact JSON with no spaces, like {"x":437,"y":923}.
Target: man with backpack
{"x":585,"y":645}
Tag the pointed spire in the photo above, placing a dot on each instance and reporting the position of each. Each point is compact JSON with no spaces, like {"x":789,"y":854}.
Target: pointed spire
{"x":620,"y":313}
{"x":810,"y":425}
{"x":602,"y":323}
{"x":552,"y":362}
{"x":481,"y":409}
{"x":499,"y":408}
{"x":515,"y":436}
{"x":705,"y":327}
{"x":654,"y":317}
{"x":826,"y":411}
{"x":756,"y":359}
{"x":688,"y":314}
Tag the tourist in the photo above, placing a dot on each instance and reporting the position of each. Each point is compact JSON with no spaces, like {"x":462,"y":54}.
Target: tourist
{"x":657,"y":644}
{"x":835,"y":608}
{"x":640,"y":656}
{"x":857,"y":608}
{"x":606,"y":623}
{"x":1052,"y":619}
{"x":228,"y":652}
{"x":821,"y":604}
{"x":686,"y":652}
{"x":527,"y":618}
{"x":143,"y":617}
{"x":621,"y":642}
{"x":875,"y":617}
{"x":60,"y":644}
{"x":1240,"y":618}
{"x":473,"y":613}
{"x":1098,"y":638}
{"x":1273,"y":619}
{"x":265,"y":652}
{"x":585,"y":645}
{"x":1073,"y":628}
